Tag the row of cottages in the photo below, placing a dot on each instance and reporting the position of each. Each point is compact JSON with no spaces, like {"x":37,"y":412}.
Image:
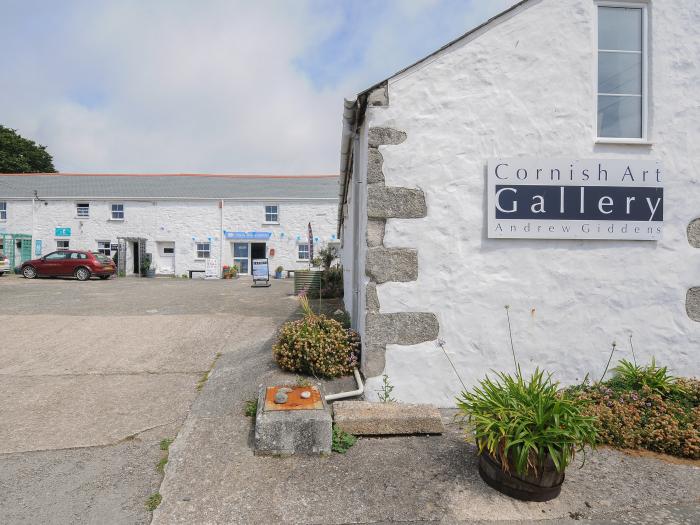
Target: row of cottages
{"x":182,"y":221}
{"x":548,"y":161}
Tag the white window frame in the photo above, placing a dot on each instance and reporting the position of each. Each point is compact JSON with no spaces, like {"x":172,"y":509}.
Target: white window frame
{"x":84,"y":206}
{"x":100,"y":249}
{"x":3,"y":211}
{"x":299,"y":257}
{"x":197,"y":251}
{"x":111,"y":211}
{"x":64,"y":248}
{"x":644,"y":139}
{"x":277,"y":214}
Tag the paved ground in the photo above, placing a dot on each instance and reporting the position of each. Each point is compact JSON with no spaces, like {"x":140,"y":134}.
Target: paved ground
{"x":93,"y":375}
{"x":213,"y":476}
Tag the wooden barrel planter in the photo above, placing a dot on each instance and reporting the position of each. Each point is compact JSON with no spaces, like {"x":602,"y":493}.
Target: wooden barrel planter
{"x":309,"y":280}
{"x":526,"y":487}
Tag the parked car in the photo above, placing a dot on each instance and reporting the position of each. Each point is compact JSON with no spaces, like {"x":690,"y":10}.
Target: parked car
{"x":4,"y":265}
{"x":82,"y":265}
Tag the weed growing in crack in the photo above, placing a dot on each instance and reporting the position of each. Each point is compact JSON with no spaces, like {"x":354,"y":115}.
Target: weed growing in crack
{"x":153,"y":501}
{"x":251,"y":407}
{"x":342,"y":441}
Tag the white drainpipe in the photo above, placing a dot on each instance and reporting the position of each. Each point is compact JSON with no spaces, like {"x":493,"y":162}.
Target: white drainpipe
{"x":342,"y":395}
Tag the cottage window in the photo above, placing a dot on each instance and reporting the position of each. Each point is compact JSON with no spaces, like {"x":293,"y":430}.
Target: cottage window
{"x":622,"y":70}
{"x":104,"y":247}
{"x":203,"y":250}
{"x":3,"y":211}
{"x":83,"y":210}
{"x":303,"y":252}
{"x":117,"y":212}
{"x":272,"y":213}
{"x":62,"y":244}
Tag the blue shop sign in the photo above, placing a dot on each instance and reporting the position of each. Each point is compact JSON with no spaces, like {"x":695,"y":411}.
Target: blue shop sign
{"x":248,"y":236}
{"x":62,"y":232}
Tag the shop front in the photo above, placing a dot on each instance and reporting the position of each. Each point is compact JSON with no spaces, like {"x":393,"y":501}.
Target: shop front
{"x":246,"y":246}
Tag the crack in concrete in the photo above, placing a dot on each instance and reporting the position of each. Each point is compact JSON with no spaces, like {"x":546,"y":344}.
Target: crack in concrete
{"x":126,"y":439}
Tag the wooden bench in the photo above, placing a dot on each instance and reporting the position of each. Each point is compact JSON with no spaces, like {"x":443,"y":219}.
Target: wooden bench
{"x":195,"y":271}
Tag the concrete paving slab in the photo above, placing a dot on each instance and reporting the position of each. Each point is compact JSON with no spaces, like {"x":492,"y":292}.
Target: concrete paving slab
{"x":363,"y":418}
{"x":54,"y":412}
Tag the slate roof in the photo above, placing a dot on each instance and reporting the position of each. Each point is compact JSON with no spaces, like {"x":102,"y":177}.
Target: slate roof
{"x":171,"y":186}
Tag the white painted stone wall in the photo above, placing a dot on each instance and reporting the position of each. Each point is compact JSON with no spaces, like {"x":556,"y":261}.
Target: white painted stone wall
{"x":524,"y":87}
{"x":178,"y":222}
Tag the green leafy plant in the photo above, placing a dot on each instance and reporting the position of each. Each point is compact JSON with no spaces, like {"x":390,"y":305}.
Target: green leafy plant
{"x":279,"y":269}
{"x":635,"y":377}
{"x":332,"y":282}
{"x":251,"y":407}
{"x":165,"y":443}
{"x":342,"y":441}
{"x":153,"y":501}
{"x":385,"y":390}
{"x":520,"y":422}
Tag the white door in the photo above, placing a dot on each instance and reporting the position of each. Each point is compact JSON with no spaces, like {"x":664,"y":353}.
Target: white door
{"x":166,"y":258}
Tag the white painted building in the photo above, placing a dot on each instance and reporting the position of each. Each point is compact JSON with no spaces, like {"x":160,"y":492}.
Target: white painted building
{"x":433,"y":252}
{"x":182,"y":220}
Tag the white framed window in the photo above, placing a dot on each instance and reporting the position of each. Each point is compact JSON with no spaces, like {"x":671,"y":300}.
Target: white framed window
{"x":621,"y":79}
{"x":62,"y":244}
{"x":303,"y":252}
{"x":104,"y":247}
{"x":203,"y":250}
{"x":3,"y":211}
{"x":272,"y":213}
{"x":117,"y":212}
{"x":82,"y":210}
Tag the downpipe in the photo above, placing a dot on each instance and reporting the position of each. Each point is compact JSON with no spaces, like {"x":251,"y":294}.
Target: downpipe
{"x":352,"y":393}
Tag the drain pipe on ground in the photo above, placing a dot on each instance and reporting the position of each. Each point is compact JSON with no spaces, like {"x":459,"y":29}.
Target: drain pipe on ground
{"x":352,"y":393}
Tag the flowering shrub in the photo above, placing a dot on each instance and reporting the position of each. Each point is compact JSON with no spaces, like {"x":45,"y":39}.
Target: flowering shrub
{"x":665,"y":421}
{"x":318,"y":346}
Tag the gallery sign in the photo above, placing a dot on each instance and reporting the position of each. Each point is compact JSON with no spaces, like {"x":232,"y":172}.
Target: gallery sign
{"x":575,"y":199}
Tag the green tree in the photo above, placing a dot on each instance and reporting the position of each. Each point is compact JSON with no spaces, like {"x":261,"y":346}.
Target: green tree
{"x":20,"y":155}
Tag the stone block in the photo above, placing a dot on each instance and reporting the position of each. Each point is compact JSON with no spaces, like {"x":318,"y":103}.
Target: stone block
{"x":374,"y":166}
{"x":288,"y":432}
{"x":363,"y":418}
{"x":371,"y":298}
{"x":392,"y":264}
{"x":394,"y":202}
{"x":373,"y":359}
{"x":375,"y":232}
{"x":379,"y":96}
{"x":401,"y":328}
{"x":694,"y":233}
{"x":384,"y":137}
{"x":692,"y":303}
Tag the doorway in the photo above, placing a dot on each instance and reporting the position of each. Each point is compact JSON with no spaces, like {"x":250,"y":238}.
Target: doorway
{"x":258,"y":250}
{"x":135,"y":250}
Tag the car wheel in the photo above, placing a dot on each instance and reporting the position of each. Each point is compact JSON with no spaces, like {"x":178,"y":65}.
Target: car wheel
{"x":29,"y":272}
{"x":82,"y":274}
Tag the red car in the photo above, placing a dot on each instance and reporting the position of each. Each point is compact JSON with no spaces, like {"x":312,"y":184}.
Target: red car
{"x":81,"y":265}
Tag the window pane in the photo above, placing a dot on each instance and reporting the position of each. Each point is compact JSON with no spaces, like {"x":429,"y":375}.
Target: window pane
{"x":240,"y":249}
{"x":620,"y":28}
{"x":620,"y":73}
{"x":242,"y":265}
{"x":619,"y":117}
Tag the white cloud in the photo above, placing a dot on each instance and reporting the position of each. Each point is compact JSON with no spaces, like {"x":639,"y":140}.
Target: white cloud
{"x":165,"y":86}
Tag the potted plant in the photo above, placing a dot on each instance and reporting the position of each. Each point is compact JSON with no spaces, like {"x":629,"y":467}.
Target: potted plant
{"x":278,"y":272}
{"x":146,"y":269}
{"x":527,"y":432}
{"x":225,"y":273}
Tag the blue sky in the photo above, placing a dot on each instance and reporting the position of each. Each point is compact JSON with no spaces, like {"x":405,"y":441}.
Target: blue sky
{"x":215,"y":86}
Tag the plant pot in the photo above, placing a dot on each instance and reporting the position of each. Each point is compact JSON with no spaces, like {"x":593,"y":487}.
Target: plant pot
{"x":278,"y":275}
{"x":526,"y":487}
{"x":150,"y":273}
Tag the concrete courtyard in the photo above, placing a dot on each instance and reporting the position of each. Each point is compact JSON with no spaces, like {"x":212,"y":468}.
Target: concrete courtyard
{"x":94,"y":375}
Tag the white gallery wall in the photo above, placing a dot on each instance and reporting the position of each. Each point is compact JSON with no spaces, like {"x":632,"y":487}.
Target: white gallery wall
{"x":524,"y":87}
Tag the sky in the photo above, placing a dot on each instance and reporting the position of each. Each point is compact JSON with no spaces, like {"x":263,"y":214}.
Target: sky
{"x":207,"y":86}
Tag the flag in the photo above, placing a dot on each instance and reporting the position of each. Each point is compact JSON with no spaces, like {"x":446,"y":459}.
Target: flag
{"x":311,"y":244}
